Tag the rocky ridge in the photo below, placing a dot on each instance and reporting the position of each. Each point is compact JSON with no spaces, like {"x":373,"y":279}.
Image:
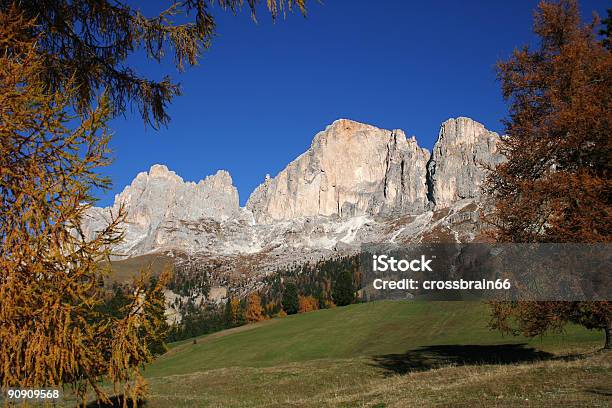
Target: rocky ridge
{"x":355,"y":184}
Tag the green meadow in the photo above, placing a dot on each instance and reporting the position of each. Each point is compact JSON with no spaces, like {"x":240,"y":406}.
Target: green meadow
{"x":383,"y":354}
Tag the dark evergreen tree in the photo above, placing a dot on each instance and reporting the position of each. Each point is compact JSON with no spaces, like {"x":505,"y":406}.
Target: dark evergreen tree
{"x":115,"y":306}
{"x":227,"y":314}
{"x":343,"y":291}
{"x":290,"y":299}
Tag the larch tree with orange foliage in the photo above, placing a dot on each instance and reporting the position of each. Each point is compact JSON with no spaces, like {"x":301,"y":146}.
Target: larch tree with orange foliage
{"x":555,"y":186}
{"x":236,"y":312}
{"x":254,"y":310}
{"x":57,"y":58}
{"x":307,"y":304}
{"x":52,"y":333}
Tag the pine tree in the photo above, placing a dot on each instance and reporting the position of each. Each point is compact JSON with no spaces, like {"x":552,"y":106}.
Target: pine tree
{"x":116,"y":303}
{"x":343,"y":291}
{"x":290,"y":299}
{"x":228,"y":321}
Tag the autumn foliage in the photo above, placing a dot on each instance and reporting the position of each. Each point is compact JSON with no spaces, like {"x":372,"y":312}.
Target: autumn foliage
{"x":307,"y":304}
{"x":236,"y":314}
{"x":52,"y":332}
{"x":254,"y":311}
{"x":58,"y":59}
{"x":555,"y":185}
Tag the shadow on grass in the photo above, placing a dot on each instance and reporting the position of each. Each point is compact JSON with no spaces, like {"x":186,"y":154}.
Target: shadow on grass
{"x":116,"y":401}
{"x":605,"y":392}
{"x":429,"y":357}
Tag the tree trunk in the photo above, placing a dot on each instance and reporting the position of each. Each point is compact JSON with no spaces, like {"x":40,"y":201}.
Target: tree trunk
{"x":608,"y":330}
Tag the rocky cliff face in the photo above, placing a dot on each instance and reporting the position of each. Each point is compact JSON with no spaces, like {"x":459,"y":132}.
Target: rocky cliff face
{"x":457,"y":168}
{"x":160,"y":197}
{"x":350,"y":169}
{"x":355,"y":184}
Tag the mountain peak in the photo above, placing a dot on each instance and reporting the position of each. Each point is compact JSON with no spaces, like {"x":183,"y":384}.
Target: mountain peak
{"x":457,"y":168}
{"x":162,"y":171}
{"x":350,"y":169}
{"x":351,"y":173}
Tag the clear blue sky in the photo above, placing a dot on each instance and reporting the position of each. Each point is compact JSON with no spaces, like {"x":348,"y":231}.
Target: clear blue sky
{"x":263,"y":90}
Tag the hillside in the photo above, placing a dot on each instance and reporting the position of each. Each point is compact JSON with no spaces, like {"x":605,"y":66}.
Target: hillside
{"x":394,"y":353}
{"x":367,"y":329}
{"x":126,"y":269}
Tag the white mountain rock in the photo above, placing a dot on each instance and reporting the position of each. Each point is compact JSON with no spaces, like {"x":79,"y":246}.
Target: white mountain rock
{"x":463,"y":152}
{"x":355,"y":184}
{"x":351,"y":169}
{"x":160,"y":196}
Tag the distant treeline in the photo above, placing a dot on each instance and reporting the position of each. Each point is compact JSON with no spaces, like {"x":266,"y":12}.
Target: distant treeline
{"x":298,"y":289}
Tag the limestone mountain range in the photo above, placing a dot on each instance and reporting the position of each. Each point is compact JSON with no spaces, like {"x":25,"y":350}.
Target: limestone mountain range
{"x":356,"y":184}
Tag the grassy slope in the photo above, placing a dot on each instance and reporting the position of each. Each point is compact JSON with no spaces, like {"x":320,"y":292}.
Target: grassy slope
{"x":125,"y":270}
{"x":383,"y":354}
{"x":357,"y":382}
{"x":369,"y":329}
